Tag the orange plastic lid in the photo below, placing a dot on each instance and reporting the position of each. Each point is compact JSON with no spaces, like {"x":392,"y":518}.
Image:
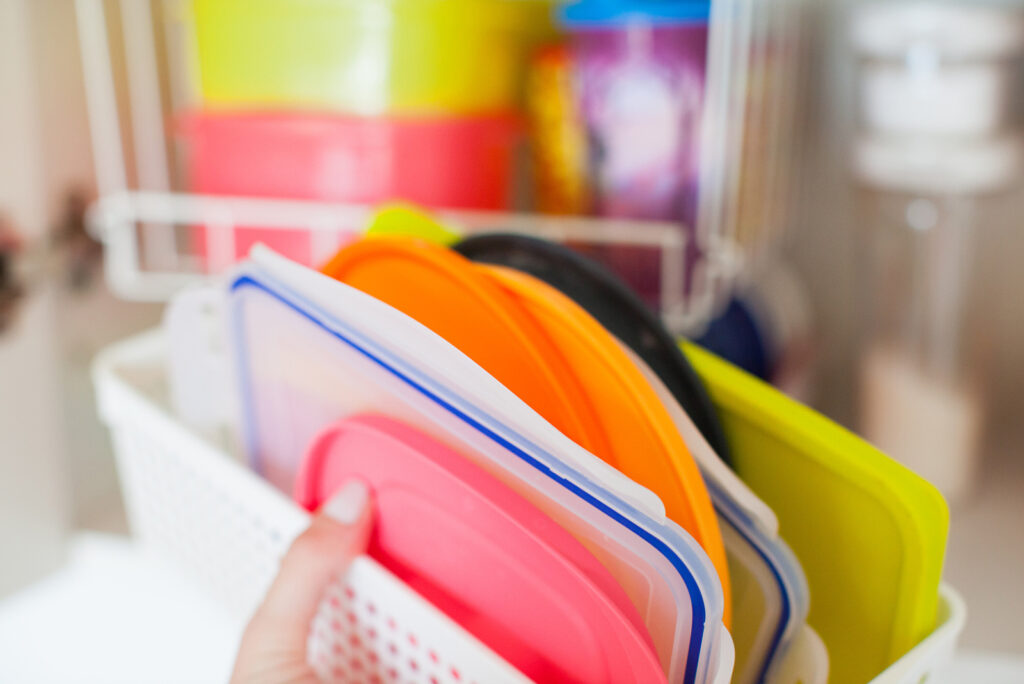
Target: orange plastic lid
{"x":642,"y":439}
{"x":450,"y":295}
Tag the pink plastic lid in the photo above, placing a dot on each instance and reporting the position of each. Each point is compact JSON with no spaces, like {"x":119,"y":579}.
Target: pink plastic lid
{"x":484,"y":555}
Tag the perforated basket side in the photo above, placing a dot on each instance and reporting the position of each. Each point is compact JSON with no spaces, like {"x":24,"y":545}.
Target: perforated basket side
{"x":186,"y":499}
{"x":189,"y":502}
{"x":225,"y":539}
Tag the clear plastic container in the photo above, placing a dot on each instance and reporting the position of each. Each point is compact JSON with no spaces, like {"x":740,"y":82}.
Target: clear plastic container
{"x":771,"y":596}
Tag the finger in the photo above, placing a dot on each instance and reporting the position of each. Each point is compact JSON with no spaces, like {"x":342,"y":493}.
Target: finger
{"x":339,"y":532}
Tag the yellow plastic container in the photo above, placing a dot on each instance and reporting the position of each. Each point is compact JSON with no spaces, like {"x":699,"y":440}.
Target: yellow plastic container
{"x":367,"y":56}
{"x":870,"y":534}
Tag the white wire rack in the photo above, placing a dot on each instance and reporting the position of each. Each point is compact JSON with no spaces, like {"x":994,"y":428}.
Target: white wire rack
{"x":129,"y":223}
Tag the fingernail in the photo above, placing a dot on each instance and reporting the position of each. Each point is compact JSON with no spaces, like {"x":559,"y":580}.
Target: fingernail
{"x":347,"y":505}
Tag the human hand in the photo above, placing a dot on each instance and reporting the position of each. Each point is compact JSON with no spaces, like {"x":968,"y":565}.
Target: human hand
{"x":273,"y":649}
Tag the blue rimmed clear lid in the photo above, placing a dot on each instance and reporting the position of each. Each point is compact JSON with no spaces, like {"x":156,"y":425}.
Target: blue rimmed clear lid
{"x":763,"y":569}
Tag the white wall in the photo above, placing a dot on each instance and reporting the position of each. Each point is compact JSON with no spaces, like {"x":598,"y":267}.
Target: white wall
{"x":56,"y":468}
{"x":86,"y":321}
{"x":33,"y":494}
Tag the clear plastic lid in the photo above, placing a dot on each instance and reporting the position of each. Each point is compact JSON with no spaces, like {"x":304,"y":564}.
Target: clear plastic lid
{"x":306,"y":359}
{"x":806,"y":661}
{"x":771,"y":599}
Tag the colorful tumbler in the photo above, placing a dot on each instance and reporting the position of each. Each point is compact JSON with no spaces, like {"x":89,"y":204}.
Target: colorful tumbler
{"x":639,"y":74}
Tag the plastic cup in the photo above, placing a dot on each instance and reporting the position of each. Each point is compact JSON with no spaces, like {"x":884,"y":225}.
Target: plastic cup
{"x":449,"y":162}
{"x":639,"y":79}
{"x":366,"y":56}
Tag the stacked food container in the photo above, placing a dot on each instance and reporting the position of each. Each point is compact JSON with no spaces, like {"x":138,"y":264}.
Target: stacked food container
{"x":362,"y":102}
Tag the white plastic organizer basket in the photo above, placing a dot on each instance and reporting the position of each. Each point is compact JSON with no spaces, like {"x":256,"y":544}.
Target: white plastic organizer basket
{"x":193,"y":503}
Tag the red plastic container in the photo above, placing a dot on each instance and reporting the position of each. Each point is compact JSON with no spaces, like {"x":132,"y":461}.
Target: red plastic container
{"x":463,"y":163}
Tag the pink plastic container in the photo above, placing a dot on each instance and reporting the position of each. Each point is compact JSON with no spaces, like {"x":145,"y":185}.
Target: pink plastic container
{"x":485,"y":556}
{"x":463,"y":163}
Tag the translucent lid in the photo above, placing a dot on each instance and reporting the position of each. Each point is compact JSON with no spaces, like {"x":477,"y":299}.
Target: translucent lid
{"x":771,"y":599}
{"x":307,"y":360}
{"x":740,"y":496}
{"x":201,"y":390}
{"x":806,"y":662}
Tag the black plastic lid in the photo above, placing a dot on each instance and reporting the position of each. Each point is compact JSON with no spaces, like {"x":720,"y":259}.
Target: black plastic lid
{"x":613,"y":305}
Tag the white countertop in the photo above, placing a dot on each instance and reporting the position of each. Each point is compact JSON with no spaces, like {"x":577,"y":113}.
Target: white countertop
{"x":113,"y":615}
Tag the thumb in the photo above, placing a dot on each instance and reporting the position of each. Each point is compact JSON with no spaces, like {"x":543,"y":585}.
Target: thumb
{"x":274,"y":645}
